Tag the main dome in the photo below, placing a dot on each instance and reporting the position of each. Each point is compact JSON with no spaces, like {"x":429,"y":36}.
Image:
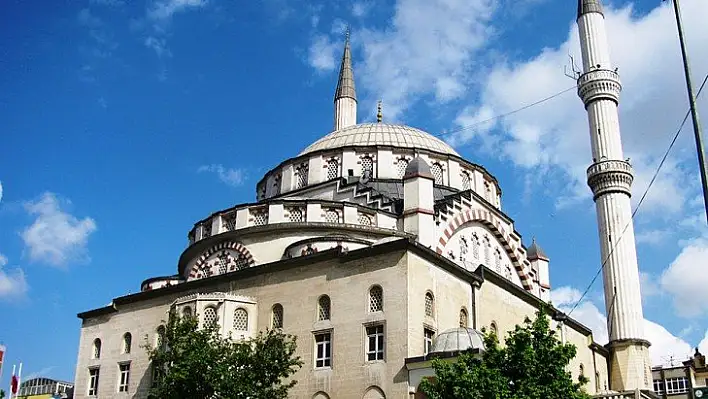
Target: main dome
{"x":384,"y":134}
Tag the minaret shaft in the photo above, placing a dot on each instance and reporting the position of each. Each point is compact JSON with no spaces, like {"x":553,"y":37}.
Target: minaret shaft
{"x":345,"y":102}
{"x":610,"y":178}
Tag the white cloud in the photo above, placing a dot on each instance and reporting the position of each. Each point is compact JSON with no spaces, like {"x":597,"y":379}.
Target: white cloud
{"x":56,"y":237}
{"x":232,"y":177}
{"x":664,"y":344}
{"x":159,"y":45}
{"x":163,"y":10}
{"x":703,"y":345}
{"x":652,"y":236}
{"x":0,"y":191}
{"x":322,"y":53}
{"x":686,"y":279}
{"x":12,"y":283}
{"x":89,"y":20}
{"x":361,"y":8}
{"x":555,"y":134}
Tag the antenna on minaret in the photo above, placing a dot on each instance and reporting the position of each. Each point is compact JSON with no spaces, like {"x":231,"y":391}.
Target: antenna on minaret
{"x":379,"y":113}
{"x":574,"y":69}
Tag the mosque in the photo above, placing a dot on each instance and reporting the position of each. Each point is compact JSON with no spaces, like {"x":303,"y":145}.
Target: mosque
{"x":379,"y":247}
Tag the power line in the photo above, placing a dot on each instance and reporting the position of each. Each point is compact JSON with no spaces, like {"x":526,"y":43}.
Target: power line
{"x":527,"y":106}
{"x":641,"y":200}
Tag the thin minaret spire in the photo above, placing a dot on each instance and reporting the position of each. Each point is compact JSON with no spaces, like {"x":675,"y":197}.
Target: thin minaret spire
{"x":345,"y":102}
{"x":610,"y":178}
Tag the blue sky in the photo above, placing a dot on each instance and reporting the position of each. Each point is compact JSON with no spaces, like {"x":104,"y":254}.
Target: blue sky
{"x":123,"y":123}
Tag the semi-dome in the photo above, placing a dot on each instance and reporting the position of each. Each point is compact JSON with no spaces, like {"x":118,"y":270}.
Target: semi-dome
{"x":458,"y":340}
{"x":384,"y":134}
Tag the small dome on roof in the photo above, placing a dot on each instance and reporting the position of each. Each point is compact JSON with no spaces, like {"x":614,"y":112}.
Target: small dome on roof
{"x":458,"y":340}
{"x":535,"y":252}
{"x":418,"y":167}
{"x":384,"y":134}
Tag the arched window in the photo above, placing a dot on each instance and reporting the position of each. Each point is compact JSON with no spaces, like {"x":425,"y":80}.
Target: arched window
{"x":209,"y":316}
{"x":581,"y":371}
{"x":487,"y":251}
{"x":437,"y":171}
{"x":320,"y":395}
{"x":160,"y":337}
{"x":376,"y":299}
{"x":296,"y":215}
{"x":240,"y":319}
{"x":364,"y":220}
{"x":324,"y":308}
{"x":96,"y":348}
{"x":127,"y":342}
{"x":374,"y":392}
{"x":429,"y":304}
{"x":463,"y":318}
{"x":475,"y":246}
{"x":187,"y":312}
{"x":277,"y":316}
{"x":497,"y":260}
{"x":223,"y":262}
{"x":301,"y":175}
{"x":367,"y":166}
{"x":401,"y":166}
{"x":493,"y":328}
{"x":463,"y":249}
{"x":466,"y":181}
{"x":332,"y":169}
{"x":331,"y":216}
{"x":276,"y":184}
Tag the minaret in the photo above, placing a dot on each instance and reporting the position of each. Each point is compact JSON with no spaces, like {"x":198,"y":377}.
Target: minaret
{"x":345,"y":96}
{"x":610,"y":178}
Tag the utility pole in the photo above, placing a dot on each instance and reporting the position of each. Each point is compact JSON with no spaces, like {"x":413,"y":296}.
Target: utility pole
{"x":694,"y":112}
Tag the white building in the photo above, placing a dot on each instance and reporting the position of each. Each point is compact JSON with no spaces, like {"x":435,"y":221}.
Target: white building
{"x":367,"y":245}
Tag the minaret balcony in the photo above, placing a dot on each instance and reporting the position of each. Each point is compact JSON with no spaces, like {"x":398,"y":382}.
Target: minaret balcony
{"x":599,"y":84}
{"x":610,"y":176}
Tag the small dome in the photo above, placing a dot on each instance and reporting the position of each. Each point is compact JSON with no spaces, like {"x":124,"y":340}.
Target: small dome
{"x":418,"y":167}
{"x":535,"y":252}
{"x":458,"y":340}
{"x":384,"y":134}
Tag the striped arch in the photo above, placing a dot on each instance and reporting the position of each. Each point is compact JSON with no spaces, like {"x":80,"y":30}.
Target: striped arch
{"x":237,"y":247}
{"x":485,"y":218}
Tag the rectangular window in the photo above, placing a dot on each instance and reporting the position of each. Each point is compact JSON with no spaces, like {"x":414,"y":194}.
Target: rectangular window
{"x":124,"y":377}
{"x":375,"y":342}
{"x":93,"y":382}
{"x":676,"y":385}
{"x":659,"y":387}
{"x":323,"y":349}
{"x":428,"y":335}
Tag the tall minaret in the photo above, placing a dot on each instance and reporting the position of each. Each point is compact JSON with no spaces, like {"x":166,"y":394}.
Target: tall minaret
{"x":345,"y":96}
{"x":610,"y":178}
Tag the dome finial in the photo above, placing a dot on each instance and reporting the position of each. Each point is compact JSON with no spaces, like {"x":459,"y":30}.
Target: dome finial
{"x":379,"y":114}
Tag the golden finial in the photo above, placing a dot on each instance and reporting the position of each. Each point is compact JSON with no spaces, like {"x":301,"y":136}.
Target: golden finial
{"x":379,"y":115}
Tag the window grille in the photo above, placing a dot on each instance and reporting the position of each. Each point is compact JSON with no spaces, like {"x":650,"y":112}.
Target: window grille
{"x":375,"y":344}
{"x":376,"y":299}
{"x":428,"y":336}
{"x":124,"y":370}
{"x":463,"y":318}
{"x":229,"y":222}
{"x":364,"y":220}
{"x":466,"y":180}
{"x":96,"y":348}
{"x":296,"y":215}
{"x":206,"y":230}
{"x":323,"y":348}
{"x":367,"y":166}
{"x":324,"y":305}
{"x":93,"y":382}
{"x":487,"y":251}
{"x":463,"y":249}
{"x":127,"y":342}
{"x":209,"y":316}
{"x":429,"y":304}
{"x":240,"y":320}
{"x":301,"y":175}
{"x":277,"y":316}
{"x":332,"y":169}
{"x":676,"y":385}
{"x":260,"y":217}
{"x":401,"y":166}
{"x":223,"y":262}
{"x":331,"y":216}
{"x":659,"y":387}
{"x":497,"y":260}
{"x":437,"y":171}
{"x":241,"y":262}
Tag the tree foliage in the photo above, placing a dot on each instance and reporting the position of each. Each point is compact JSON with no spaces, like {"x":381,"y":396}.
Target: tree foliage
{"x":193,"y":362}
{"x":532,"y":365}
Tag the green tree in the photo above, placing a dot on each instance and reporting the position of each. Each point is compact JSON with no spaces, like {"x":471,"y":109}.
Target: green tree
{"x":532,"y":365}
{"x":2,"y":394}
{"x":193,"y":362}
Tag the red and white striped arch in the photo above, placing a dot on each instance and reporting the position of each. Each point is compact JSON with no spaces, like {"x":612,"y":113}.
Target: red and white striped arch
{"x":228,"y":245}
{"x":467,"y":216}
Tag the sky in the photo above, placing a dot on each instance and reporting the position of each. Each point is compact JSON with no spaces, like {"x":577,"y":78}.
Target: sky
{"x":125,"y":122}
